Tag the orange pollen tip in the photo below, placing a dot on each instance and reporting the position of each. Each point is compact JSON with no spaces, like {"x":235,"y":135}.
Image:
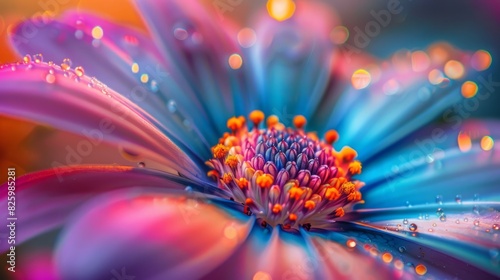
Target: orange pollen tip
{"x":332,"y":194}
{"x":295,"y":192}
{"x":248,"y":201}
{"x":313,"y":136}
{"x":348,"y":154}
{"x":355,"y":167}
{"x":242,"y":183}
{"x":213,"y":174}
{"x":292,"y":217}
{"x":231,"y":141}
{"x":348,"y":188}
{"x":339,"y":212}
{"x":234,"y":124}
{"x":277,"y":208}
{"x":227,"y":178}
{"x":256,"y":117}
{"x":232,"y":161}
{"x":272,"y":120}
{"x":331,"y":136}
{"x":220,"y":151}
{"x":299,"y":121}
{"x":356,"y":196}
{"x":265,"y":180}
{"x":242,"y":120}
{"x":309,"y":205}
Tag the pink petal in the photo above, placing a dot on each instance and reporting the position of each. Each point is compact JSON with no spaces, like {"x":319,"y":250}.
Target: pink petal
{"x":150,"y":237}
{"x":96,"y":112}
{"x":46,"y":198}
{"x":110,"y":59}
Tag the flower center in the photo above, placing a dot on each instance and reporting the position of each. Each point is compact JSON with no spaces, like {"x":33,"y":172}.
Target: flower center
{"x":285,"y":176}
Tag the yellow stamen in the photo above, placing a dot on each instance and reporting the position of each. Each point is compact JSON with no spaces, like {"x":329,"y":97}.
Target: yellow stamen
{"x":232,"y":161}
{"x":332,"y":194}
{"x":256,"y":117}
{"x":331,"y":136}
{"x":277,"y":208}
{"x":348,"y":188}
{"x":296,"y":193}
{"x":242,"y":183}
{"x":272,"y":120}
{"x":309,"y":205}
{"x":299,"y":121}
{"x":234,"y":124}
{"x":265,"y":180}
{"x":354,"y":196}
{"x":355,"y":167}
{"x":227,"y":178}
{"x":219,"y":151}
{"x":339,"y":212}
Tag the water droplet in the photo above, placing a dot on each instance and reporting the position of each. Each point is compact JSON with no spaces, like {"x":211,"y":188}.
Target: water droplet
{"x":13,"y":68}
{"x":188,"y":189}
{"x":439,"y":199}
{"x":27,"y":59}
{"x":141,"y":164}
{"x":38,"y":58}
{"x":154,"y":86}
{"x":66,"y":64}
{"x":495,"y":227}
{"x":402,"y":249}
{"x":458,"y":199}
{"x":431,"y":230}
{"x":457,"y":221}
{"x":476,"y":223}
{"x":421,"y":269}
{"x":475,"y":197}
{"x":351,"y":243}
{"x":50,"y":63}
{"x":440,"y":212}
{"x":408,"y":204}
{"x":466,"y":220}
{"x":434,"y":224}
{"x":442,"y":218}
{"x":426,"y":216}
{"x":475,"y":209}
{"x":413,"y":227}
{"x":50,"y":78}
{"x":180,"y":34}
{"x":405,"y":221}
{"x":51,"y":71}
{"x":79,"y":71}
{"x":172,"y":107}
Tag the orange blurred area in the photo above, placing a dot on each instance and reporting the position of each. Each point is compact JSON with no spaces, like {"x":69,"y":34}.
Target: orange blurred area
{"x":12,"y":12}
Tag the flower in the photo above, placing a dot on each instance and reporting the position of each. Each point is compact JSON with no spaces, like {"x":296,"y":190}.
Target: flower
{"x":285,"y":203}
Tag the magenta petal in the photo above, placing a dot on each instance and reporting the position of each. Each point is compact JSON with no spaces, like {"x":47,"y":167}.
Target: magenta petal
{"x":150,"y":237}
{"x":41,"y":93}
{"x":49,"y":196}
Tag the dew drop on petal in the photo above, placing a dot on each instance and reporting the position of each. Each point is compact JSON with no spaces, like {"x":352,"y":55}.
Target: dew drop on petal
{"x":188,"y":189}
{"x":402,"y":249}
{"x":439,"y":199}
{"x":387,"y":257}
{"x":50,"y":78}
{"x":79,"y":71}
{"x":421,"y":269}
{"x":172,"y":106}
{"x":351,"y":243}
{"x":27,"y":59}
{"x":180,"y":34}
{"x":405,"y":221}
{"x":38,"y":58}
{"x":457,"y":221}
{"x":458,"y":199}
{"x":66,"y":64}
{"x":141,"y":164}
{"x":439,"y":212}
{"x":413,"y":227}
{"x":495,"y":227}
{"x":442,"y":218}
{"x":435,"y":77}
{"x":434,"y":224}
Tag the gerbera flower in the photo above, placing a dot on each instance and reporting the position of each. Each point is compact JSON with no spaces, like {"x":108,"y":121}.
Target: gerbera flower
{"x":339,"y":181}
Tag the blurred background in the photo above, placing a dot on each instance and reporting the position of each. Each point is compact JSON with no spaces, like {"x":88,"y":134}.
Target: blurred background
{"x":468,"y":25}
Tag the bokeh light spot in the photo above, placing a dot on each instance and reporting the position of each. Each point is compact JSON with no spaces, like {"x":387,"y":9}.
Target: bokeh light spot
{"x":435,"y":77}
{"x":454,"y":69}
{"x":391,"y":87}
{"x":230,"y":232}
{"x":246,"y":37}
{"x":235,"y":61}
{"x":469,"y":89}
{"x":464,"y":142}
{"x":339,"y":35}
{"x":280,"y":10}
{"x":361,"y":79}
{"x":97,"y":32}
{"x":351,"y":243}
{"x":481,"y":60}
{"x":387,"y":257}
{"x":135,"y":68}
{"x":487,"y":143}
{"x":420,"y":61}
{"x":144,"y":78}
